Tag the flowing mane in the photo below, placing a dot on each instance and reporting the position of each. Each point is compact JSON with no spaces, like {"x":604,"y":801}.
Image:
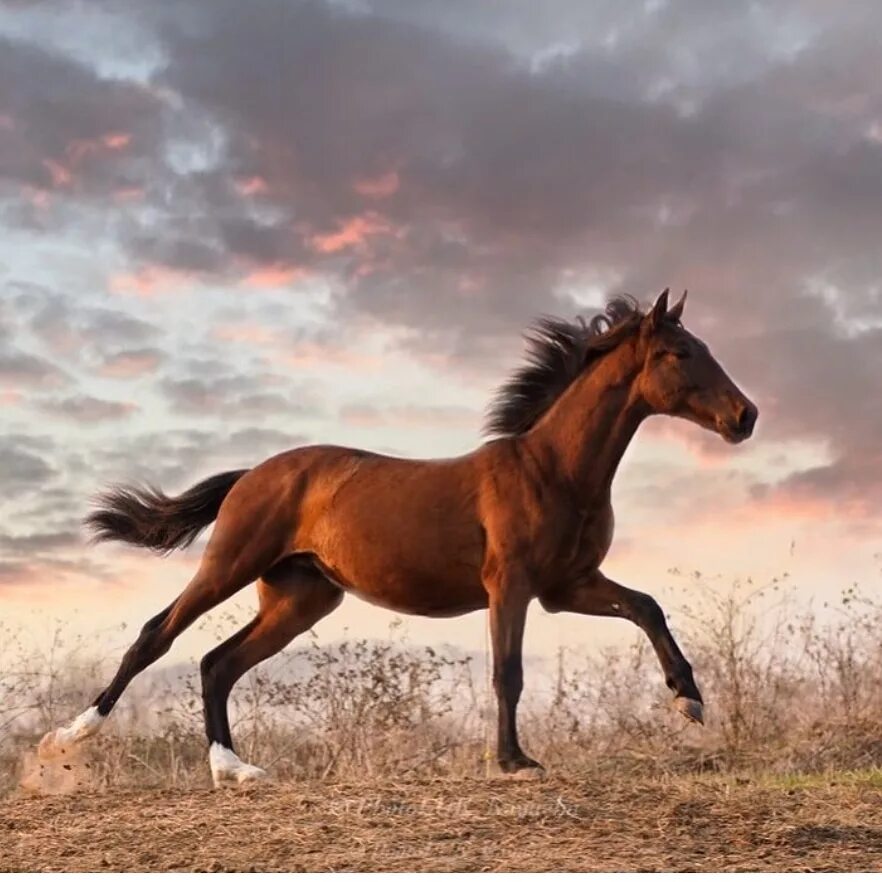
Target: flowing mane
{"x":557,"y":353}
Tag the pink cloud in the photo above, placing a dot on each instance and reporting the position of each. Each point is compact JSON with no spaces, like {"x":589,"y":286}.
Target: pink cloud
{"x":62,"y":173}
{"x":61,"y":176}
{"x":149,"y":281}
{"x":77,"y":150}
{"x":252,"y":186}
{"x":380,"y":187}
{"x":116,"y":140}
{"x":274,"y":276}
{"x":38,"y":198}
{"x":128,"y":194}
{"x":351,"y":233}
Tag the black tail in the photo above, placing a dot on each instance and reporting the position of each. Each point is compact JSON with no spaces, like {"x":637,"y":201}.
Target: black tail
{"x":145,"y":516}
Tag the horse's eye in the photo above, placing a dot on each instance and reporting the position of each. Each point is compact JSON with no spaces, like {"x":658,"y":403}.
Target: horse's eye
{"x":681,"y":353}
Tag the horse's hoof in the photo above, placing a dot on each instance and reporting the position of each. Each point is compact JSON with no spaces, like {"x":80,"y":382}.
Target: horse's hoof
{"x":251,"y":775}
{"x":523,"y":770}
{"x":59,"y":740}
{"x":244,"y":776}
{"x":529,"y":773}
{"x":690,"y":708}
{"x":48,"y":746}
{"x":227,"y":770}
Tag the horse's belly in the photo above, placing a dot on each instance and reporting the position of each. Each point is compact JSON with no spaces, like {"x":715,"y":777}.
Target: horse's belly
{"x":408,"y":591}
{"x":435,"y":604}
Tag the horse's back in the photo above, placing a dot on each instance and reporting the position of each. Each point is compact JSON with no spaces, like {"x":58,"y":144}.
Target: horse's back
{"x":402,"y":533}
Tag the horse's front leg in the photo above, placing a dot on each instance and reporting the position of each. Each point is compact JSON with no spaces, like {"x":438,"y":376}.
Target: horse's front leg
{"x":599,"y":596}
{"x":509,"y":596}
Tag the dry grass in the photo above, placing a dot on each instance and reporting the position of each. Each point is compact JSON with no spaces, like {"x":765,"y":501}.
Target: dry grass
{"x":784,"y":776}
{"x":611,"y":822}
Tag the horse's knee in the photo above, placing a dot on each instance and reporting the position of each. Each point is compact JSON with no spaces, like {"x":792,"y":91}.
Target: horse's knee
{"x":152,"y":644}
{"x":157,"y":621}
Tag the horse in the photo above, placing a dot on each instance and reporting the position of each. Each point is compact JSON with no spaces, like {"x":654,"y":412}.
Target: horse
{"x":525,"y":516}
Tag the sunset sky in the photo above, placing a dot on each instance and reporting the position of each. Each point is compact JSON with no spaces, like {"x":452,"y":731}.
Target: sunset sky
{"x":230,"y":228}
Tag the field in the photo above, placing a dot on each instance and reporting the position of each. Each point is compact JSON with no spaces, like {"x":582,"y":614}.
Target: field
{"x":378,"y":756}
{"x":609,"y":823}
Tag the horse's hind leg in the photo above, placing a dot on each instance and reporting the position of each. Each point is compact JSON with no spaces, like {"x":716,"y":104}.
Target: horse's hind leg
{"x":215,"y":581}
{"x":293,"y":597}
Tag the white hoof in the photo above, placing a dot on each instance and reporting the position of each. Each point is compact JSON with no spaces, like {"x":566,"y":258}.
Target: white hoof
{"x":690,"y":708}
{"x":228,"y":770}
{"x":85,"y":725}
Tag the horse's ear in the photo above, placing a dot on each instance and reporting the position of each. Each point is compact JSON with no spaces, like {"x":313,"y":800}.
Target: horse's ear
{"x":660,"y":310}
{"x":676,"y":312}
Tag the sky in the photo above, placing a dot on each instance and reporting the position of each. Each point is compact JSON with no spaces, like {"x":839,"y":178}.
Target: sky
{"x":228,"y":229}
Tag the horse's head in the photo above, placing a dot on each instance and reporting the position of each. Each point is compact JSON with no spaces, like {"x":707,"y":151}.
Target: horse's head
{"x":681,"y":378}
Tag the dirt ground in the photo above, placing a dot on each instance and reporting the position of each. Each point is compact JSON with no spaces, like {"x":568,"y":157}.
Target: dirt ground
{"x":602,"y":824}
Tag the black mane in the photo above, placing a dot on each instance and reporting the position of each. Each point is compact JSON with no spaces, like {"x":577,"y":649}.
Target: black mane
{"x":557,"y":352}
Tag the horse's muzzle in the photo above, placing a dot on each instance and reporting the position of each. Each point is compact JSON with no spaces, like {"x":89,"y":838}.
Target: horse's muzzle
{"x":741,"y":427}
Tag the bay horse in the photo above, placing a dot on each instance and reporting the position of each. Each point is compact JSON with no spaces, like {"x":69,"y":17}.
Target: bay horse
{"x":526,"y":515}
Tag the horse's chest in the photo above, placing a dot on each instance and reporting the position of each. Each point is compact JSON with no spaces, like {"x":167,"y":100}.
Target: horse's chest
{"x":580,"y":539}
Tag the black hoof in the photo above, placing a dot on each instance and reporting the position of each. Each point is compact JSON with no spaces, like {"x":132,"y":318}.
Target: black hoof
{"x":690,"y":708}
{"x":521,"y":767}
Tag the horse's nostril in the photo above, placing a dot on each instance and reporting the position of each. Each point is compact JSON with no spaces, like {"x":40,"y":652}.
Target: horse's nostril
{"x":747,"y":419}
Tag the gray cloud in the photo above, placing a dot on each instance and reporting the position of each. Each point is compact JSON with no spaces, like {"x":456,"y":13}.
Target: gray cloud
{"x":130,"y":363}
{"x":38,"y":543}
{"x":19,"y":369}
{"x":21,"y":471}
{"x":86,"y":408}
{"x":68,"y":128}
{"x":454,"y":170}
{"x":227,"y":396}
{"x":253,"y":445}
{"x":65,"y":324}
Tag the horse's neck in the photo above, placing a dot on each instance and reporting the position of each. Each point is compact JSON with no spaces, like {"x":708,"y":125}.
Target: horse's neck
{"x":586,"y":432}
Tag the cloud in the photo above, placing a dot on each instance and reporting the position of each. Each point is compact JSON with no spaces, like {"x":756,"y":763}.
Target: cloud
{"x":69,"y":327}
{"x":70,"y":131}
{"x":87,"y":409}
{"x":38,"y":543}
{"x":446,"y":172}
{"x":409,"y":415}
{"x":226,"y":396}
{"x":274,"y":276}
{"x":151,"y":280}
{"x":23,"y":370}
{"x":380,"y":187}
{"x":253,"y":445}
{"x":22,"y":471}
{"x":128,"y":364}
{"x":353,"y":232}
